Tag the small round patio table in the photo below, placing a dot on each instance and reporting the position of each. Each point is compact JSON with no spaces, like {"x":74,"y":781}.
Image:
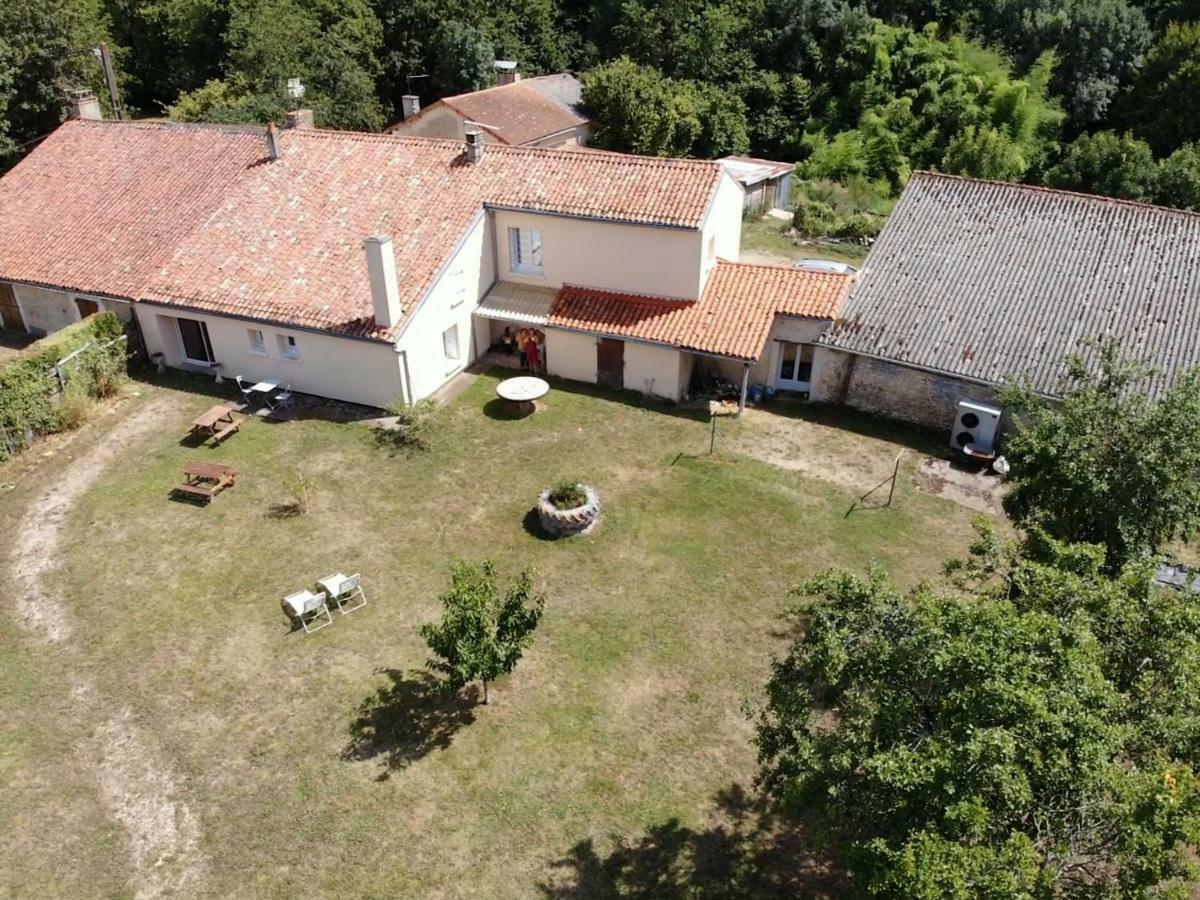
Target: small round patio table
{"x":520,"y":393}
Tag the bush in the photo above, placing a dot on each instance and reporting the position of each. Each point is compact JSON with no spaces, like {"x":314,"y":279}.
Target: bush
{"x":859,"y":226}
{"x":413,"y":429}
{"x":815,"y":218}
{"x":31,"y":401}
{"x":568,"y":495}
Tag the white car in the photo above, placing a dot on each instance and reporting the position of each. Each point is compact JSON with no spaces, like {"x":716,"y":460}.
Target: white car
{"x":824,"y":265}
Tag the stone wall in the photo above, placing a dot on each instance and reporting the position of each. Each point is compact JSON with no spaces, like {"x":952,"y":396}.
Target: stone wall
{"x":46,"y":311}
{"x":892,"y":390}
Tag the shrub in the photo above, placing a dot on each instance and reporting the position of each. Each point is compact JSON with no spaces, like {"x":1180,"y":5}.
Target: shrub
{"x":814,"y":217}
{"x":859,"y":226}
{"x":568,"y":495}
{"x":30,"y":393}
{"x":413,"y":429}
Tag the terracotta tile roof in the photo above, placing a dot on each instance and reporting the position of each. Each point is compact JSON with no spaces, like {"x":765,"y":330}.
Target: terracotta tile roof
{"x":733,"y":317}
{"x":992,"y":281}
{"x":99,"y":208}
{"x":196,"y":216}
{"x":513,"y":114}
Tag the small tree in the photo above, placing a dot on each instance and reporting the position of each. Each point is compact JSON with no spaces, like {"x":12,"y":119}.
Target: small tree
{"x":482,"y":633}
{"x":1030,"y":733}
{"x":1109,"y":464}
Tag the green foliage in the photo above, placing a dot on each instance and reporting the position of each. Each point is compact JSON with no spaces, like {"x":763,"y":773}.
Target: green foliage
{"x":1028,"y":733}
{"x":463,"y":58}
{"x":568,"y":495}
{"x":854,"y":212}
{"x":1108,"y":464}
{"x":637,"y":109}
{"x":330,"y":45}
{"x":483,"y":633}
{"x":43,"y":52}
{"x":413,"y":429}
{"x":1118,"y":165}
{"x":1178,"y":182}
{"x":984,"y":153}
{"x":29,"y":391}
{"x":1163,"y":106}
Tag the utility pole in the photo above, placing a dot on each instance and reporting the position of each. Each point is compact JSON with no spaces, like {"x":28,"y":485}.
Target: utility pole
{"x":111,"y":77}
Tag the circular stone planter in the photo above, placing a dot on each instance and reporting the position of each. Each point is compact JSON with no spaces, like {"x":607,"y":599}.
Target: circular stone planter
{"x":566,"y":522}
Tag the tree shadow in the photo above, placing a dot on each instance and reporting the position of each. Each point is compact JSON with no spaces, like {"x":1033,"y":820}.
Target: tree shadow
{"x":407,"y":718}
{"x":282,"y":511}
{"x":748,"y":853}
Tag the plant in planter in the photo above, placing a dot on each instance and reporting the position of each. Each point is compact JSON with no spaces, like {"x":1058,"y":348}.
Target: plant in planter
{"x":568,"y":508}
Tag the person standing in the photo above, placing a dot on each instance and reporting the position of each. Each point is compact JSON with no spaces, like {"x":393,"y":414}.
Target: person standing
{"x":533,"y":356}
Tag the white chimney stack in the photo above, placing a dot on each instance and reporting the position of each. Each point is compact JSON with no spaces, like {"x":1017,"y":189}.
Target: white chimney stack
{"x":506,"y":71}
{"x":385,"y":290}
{"x":299,"y":118}
{"x":273,"y":150}
{"x":84,"y":105}
{"x":410,"y":105}
{"x":474,"y":146}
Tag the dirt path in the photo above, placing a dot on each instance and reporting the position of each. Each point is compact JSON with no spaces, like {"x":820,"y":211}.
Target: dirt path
{"x":136,"y":780}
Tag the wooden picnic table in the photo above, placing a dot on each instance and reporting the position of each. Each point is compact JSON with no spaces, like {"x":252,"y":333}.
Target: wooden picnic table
{"x":204,"y":480}
{"x":218,"y":422}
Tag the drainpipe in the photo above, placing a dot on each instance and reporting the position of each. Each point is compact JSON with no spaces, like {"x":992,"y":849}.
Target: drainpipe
{"x":745,"y":384}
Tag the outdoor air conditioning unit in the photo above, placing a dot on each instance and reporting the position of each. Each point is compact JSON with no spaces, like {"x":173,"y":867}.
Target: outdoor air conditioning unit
{"x":975,"y":425}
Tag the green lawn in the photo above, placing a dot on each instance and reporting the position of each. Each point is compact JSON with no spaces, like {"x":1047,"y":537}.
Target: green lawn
{"x":325,"y":765}
{"x":768,"y":236}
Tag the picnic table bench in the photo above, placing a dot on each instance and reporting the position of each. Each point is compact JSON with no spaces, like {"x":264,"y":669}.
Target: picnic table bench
{"x":218,"y":422}
{"x":204,"y":480}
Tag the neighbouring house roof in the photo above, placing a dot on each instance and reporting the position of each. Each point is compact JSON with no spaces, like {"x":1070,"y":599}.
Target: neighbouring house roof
{"x":732,"y":318}
{"x":747,"y":170}
{"x":198,"y":216}
{"x":991,"y":281}
{"x":562,"y":87}
{"x":523,"y":112}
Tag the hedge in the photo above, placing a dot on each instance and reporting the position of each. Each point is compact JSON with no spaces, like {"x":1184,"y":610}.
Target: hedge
{"x":32,"y":401}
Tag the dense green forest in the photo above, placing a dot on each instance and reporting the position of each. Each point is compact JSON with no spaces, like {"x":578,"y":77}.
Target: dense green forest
{"x":1094,"y":95}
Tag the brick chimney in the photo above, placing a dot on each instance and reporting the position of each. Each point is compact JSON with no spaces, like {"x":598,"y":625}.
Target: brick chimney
{"x":273,"y":150}
{"x":474,"y":146}
{"x":410,"y":105}
{"x":84,"y":105}
{"x":506,"y":71}
{"x":299,"y":118}
{"x":385,"y":289}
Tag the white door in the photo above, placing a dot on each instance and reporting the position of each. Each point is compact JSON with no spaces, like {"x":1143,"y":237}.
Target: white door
{"x":793,"y":366}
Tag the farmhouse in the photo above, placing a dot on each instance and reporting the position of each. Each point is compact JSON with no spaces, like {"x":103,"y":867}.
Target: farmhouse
{"x":973,"y":283}
{"x":372,"y":268}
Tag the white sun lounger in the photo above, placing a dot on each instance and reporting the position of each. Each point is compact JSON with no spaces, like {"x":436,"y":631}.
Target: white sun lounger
{"x":305,"y":606}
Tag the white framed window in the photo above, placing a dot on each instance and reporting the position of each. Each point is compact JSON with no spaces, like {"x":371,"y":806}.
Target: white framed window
{"x":450,"y":342}
{"x":288,"y":348}
{"x":525,"y":251}
{"x":258,"y":343}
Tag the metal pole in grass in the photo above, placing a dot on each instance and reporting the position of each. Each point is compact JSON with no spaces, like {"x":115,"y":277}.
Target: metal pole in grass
{"x":895,"y":475}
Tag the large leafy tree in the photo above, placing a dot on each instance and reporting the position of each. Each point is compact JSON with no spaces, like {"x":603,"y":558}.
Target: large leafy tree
{"x":464,"y":59}
{"x":330,"y":45}
{"x":637,"y":109}
{"x":46,"y":51}
{"x":1029,"y":732}
{"x":1108,"y":463}
{"x":1118,"y":165}
{"x":1178,"y":182}
{"x":1164,"y":104}
{"x":483,"y":631}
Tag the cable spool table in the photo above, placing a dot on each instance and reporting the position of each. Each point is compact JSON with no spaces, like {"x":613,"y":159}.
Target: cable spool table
{"x":520,"y":393}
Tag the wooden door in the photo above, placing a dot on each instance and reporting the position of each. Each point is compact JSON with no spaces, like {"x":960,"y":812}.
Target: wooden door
{"x":86,"y":307}
{"x":10,"y":313}
{"x":610,"y":363}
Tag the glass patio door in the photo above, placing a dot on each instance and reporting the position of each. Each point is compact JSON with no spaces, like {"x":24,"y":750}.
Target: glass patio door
{"x":794,"y":372}
{"x":193,"y":334}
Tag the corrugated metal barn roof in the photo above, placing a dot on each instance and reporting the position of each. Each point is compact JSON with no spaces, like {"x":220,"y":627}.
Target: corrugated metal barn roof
{"x":995,"y":281}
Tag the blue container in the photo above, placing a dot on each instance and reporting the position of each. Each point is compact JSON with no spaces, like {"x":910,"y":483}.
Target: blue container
{"x":755,"y":393}
{"x":769,"y":393}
